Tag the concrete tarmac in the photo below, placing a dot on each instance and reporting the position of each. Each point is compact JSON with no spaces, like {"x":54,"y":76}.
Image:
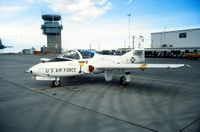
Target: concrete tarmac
{"x":163,"y":100}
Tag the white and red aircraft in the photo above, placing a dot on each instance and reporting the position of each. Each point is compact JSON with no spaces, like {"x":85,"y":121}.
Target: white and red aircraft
{"x":79,"y":62}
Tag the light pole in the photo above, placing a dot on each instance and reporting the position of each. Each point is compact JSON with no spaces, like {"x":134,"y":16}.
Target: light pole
{"x":133,"y":46}
{"x":129,"y":17}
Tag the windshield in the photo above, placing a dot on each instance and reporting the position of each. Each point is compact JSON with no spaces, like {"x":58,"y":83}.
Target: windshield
{"x":71,"y":54}
{"x":76,"y":54}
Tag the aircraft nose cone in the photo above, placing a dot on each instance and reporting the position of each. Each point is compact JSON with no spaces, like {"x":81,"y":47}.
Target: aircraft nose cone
{"x":33,"y":70}
{"x":29,"y":70}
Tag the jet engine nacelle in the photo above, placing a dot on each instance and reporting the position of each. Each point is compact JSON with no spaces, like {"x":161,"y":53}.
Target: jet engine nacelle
{"x":88,"y":69}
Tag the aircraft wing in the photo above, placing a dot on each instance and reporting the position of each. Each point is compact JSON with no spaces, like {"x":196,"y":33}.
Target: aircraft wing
{"x":139,"y":66}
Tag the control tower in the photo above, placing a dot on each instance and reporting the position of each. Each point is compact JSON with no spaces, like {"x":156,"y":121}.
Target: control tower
{"x":52,"y":28}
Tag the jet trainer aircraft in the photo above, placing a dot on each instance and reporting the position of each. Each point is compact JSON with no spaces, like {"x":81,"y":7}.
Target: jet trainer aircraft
{"x":79,"y":62}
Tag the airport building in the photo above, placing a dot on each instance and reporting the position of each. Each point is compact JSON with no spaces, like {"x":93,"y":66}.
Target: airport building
{"x":52,"y":29}
{"x":174,"y":43}
{"x":188,"y":38}
{"x":28,"y":51}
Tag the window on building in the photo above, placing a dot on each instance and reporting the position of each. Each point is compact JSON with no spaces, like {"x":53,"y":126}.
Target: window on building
{"x":164,"y":46}
{"x":182,"y":35}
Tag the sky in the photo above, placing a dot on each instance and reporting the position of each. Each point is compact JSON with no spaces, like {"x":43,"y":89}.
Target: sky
{"x":103,"y":24}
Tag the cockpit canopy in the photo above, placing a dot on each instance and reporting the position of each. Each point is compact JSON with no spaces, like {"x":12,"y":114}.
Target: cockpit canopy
{"x":74,"y":55}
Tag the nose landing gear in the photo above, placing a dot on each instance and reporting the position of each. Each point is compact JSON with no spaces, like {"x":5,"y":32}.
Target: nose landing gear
{"x":56,"y":82}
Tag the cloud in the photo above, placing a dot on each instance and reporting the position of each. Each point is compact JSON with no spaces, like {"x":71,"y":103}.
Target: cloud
{"x":80,"y":11}
{"x":74,"y":10}
{"x":26,"y":32}
{"x":4,"y":9}
{"x":129,"y":2}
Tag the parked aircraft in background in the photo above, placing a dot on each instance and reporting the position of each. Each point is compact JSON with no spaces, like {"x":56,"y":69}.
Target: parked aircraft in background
{"x":80,"y":62}
{"x":3,"y":46}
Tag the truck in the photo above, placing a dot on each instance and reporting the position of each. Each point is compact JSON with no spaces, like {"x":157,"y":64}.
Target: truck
{"x":193,"y":55}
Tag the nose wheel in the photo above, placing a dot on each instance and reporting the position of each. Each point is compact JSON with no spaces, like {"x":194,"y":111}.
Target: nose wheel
{"x":123,"y":81}
{"x":56,"y":83}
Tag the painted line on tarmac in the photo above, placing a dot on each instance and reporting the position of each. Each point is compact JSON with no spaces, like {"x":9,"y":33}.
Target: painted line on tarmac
{"x":195,"y":121}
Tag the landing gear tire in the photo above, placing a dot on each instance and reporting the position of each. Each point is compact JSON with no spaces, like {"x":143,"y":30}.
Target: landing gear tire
{"x":56,"y":83}
{"x":122,"y":81}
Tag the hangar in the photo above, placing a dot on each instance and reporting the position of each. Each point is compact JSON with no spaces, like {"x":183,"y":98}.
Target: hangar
{"x":188,"y":38}
{"x":175,"y":43}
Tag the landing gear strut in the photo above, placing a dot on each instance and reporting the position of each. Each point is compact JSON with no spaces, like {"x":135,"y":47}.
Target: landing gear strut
{"x":123,"y":81}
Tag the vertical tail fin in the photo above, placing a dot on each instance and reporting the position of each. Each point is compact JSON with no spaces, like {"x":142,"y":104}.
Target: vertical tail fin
{"x":133,"y":56}
{"x":136,"y":55}
{"x":0,"y":42}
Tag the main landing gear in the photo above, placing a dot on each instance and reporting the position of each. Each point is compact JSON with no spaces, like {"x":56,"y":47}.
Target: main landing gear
{"x":123,"y":81}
